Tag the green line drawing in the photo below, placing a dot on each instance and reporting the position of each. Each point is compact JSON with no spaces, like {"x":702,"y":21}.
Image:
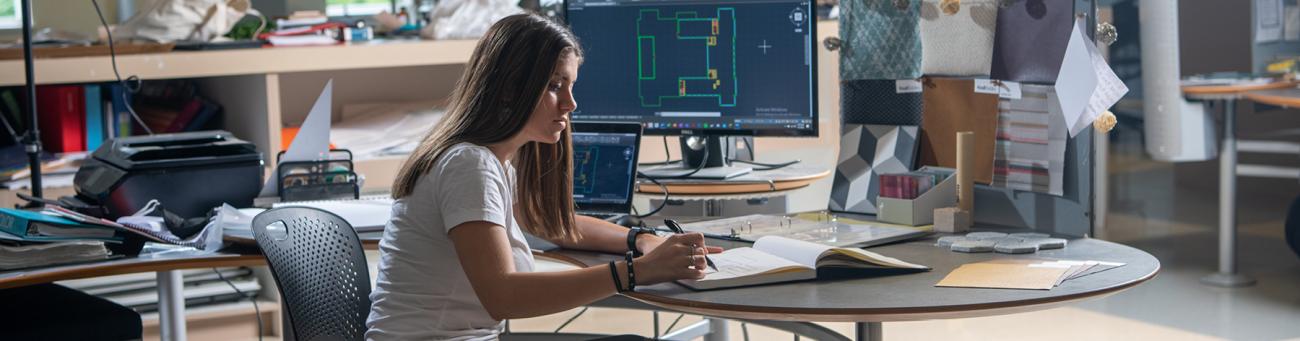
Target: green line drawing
{"x":690,"y":31}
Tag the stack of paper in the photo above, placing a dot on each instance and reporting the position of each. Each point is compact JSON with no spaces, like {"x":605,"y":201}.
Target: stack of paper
{"x":1022,"y":273}
{"x":34,"y":255}
{"x":373,"y":130}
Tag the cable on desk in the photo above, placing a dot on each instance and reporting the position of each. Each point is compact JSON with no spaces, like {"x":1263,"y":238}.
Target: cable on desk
{"x":663,"y":203}
{"x":744,"y":330}
{"x":766,"y":166}
{"x":687,"y":174}
{"x":575,"y":317}
{"x":256,"y":310}
{"x":668,"y":157}
{"x":134,"y":82}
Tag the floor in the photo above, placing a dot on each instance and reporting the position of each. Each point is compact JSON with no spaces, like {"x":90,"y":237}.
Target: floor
{"x":1166,"y":209}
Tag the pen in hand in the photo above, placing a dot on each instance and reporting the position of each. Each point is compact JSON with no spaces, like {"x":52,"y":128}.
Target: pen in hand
{"x":678,"y":230}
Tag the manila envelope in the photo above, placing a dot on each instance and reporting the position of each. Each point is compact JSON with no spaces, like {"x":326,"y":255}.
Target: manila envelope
{"x":1003,"y":276}
{"x":951,"y":106}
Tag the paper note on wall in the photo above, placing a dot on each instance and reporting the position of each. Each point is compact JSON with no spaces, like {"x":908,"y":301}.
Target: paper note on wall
{"x":312,"y":141}
{"x":1108,"y":92}
{"x":1077,"y":80}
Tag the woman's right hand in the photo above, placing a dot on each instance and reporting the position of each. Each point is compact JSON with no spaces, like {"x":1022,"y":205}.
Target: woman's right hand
{"x":681,"y":256}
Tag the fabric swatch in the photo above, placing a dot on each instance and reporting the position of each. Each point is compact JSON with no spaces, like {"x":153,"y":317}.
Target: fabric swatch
{"x":951,"y":106}
{"x":878,"y":102}
{"x":1030,"y":40}
{"x":881,"y":40}
{"x":1031,"y":139}
{"x":959,"y":44}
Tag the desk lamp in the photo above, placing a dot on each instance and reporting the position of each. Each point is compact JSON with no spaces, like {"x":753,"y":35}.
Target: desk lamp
{"x":32,"y":139}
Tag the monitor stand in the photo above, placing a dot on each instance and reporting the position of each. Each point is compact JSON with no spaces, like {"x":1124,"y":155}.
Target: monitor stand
{"x":716,"y":166}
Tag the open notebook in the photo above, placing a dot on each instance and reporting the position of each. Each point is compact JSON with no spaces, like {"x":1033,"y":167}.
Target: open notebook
{"x":775,"y":259}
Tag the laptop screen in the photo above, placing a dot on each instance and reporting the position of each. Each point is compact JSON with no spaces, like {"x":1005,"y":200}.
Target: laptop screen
{"x":604,"y":165}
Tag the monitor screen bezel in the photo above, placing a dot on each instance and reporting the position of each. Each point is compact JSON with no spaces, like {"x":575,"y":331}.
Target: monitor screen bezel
{"x":814,"y":129}
{"x":615,"y":128}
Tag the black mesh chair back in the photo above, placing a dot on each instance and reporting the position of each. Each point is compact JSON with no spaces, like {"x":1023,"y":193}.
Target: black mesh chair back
{"x":320,"y":269}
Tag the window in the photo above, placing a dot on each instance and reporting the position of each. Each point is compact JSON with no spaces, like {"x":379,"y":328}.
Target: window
{"x":10,"y":15}
{"x":336,"y":8}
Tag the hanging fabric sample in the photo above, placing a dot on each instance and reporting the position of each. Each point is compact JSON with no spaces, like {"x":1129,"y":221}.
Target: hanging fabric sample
{"x":1031,"y":139}
{"x":957,"y":40}
{"x":952,"y":105}
{"x":881,"y":39}
{"x":879,"y":102}
{"x":1030,"y":40}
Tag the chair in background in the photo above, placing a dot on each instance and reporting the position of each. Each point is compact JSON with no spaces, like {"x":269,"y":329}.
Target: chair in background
{"x":320,"y":270}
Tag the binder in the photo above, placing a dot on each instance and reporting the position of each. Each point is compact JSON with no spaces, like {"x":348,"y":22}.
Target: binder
{"x":94,"y":117}
{"x":39,"y":227}
{"x":62,"y":110}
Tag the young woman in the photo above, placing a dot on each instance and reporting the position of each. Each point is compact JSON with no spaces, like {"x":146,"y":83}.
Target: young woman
{"x":453,"y":261}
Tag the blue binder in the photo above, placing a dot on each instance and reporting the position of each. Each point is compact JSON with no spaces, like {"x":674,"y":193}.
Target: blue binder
{"x":23,"y":225}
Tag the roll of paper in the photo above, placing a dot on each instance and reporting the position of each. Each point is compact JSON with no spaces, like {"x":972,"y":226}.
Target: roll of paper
{"x":966,"y":170}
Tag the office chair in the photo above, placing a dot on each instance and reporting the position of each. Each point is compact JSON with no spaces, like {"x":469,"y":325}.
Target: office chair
{"x":320,"y":270}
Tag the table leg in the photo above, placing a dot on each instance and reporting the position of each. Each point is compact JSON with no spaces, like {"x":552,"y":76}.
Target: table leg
{"x":1227,"y":275}
{"x":171,"y":306}
{"x":869,"y":331}
{"x":717,"y":330}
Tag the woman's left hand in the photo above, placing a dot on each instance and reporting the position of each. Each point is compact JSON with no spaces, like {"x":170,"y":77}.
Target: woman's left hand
{"x":648,"y":242}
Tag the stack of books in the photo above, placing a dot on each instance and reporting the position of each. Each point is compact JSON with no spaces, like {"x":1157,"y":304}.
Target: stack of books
{"x":304,"y":28}
{"x":32,"y":239}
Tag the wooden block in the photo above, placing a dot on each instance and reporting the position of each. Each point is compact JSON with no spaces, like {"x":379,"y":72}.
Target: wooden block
{"x":951,"y":220}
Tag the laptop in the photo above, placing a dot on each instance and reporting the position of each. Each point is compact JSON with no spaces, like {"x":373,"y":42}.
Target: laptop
{"x":604,"y":167}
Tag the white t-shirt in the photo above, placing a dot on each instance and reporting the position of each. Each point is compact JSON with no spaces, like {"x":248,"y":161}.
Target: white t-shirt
{"x":422,"y":292}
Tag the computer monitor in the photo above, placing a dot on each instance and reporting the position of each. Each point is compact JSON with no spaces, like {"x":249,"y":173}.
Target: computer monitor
{"x":698,"y":68}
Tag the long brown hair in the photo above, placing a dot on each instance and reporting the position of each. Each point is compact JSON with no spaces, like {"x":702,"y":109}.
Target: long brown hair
{"x":501,"y":86}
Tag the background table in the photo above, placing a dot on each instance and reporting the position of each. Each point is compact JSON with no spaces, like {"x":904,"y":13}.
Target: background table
{"x":171,"y":298}
{"x":909,"y":297}
{"x":1225,"y":96}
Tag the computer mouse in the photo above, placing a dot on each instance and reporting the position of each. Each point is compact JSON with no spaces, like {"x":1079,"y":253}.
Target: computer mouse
{"x":628,"y":221}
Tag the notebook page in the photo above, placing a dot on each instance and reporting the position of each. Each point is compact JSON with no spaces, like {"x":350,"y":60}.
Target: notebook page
{"x":744,"y":261}
{"x":798,"y":251}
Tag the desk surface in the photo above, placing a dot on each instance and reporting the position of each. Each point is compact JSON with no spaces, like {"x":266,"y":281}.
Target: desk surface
{"x":1219,"y":90}
{"x":795,"y":176}
{"x":18,"y":278}
{"x":1287,"y":97}
{"x":900,"y":297}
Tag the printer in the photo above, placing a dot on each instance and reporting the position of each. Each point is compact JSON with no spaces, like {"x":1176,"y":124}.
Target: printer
{"x":188,"y":173}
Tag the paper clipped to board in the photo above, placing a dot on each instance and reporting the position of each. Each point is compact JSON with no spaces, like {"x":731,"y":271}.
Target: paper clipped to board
{"x":1077,"y":80}
{"x":313,"y":139}
{"x":1086,"y":85}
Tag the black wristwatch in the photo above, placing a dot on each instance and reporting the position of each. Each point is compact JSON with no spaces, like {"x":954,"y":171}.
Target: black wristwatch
{"x":631,"y":239}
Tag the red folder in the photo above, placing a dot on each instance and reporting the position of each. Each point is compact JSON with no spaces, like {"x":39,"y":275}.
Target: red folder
{"x":62,"y":113}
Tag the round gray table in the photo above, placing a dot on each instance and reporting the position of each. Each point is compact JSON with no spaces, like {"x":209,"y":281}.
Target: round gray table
{"x":870,"y":301}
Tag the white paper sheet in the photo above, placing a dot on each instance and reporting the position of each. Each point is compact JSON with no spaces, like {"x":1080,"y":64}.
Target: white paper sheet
{"x":1268,"y":20}
{"x":1108,"y":92}
{"x":1291,"y":30}
{"x":1077,"y":80}
{"x":313,"y":139}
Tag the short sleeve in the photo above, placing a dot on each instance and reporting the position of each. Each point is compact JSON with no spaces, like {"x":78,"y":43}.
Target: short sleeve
{"x":470,"y":188}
